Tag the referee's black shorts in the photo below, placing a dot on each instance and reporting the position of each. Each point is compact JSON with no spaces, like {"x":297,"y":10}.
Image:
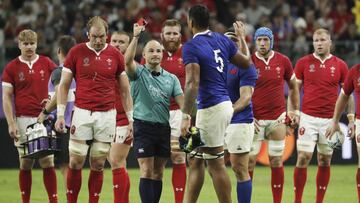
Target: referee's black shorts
{"x":151,"y":139}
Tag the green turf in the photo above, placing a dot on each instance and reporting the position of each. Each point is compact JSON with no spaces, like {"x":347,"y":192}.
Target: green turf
{"x":341,"y":188}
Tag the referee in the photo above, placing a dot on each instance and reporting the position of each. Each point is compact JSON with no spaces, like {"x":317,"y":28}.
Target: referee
{"x":152,"y":87}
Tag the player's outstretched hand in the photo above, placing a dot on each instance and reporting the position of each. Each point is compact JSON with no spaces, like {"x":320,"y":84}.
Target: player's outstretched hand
{"x":239,"y":28}
{"x":60,"y":124}
{"x":334,"y":126}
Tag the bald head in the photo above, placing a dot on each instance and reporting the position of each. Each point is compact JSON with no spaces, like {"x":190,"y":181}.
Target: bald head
{"x":152,"y":53}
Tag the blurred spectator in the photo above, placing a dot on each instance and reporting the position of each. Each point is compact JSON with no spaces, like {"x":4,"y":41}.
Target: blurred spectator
{"x":53,"y":18}
{"x":342,"y":17}
{"x":255,"y":11}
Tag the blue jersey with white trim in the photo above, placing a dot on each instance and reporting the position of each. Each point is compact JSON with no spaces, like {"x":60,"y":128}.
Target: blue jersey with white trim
{"x":236,"y":78}
{"x":212,"y":52}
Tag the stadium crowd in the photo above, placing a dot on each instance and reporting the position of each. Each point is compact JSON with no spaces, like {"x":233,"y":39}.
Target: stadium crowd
{"x":292,"y":22}
{"x":171,"y":62}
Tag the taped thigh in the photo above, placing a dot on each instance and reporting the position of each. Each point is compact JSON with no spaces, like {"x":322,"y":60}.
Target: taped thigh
{"x":99,"y":149}
{"x":78,"y":148}
{"x":276,"y":147}
{"x":207,"y":156}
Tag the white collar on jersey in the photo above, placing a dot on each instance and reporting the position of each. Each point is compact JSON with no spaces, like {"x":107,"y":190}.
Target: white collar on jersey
{"x":201,"y":33}
{"x":29,"y":63}
{"x":92,"y":49}
{"x":272,"y":54}
{"x":322,"y":61}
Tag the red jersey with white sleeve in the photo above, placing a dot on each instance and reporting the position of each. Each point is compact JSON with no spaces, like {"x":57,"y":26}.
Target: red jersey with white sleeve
{"x":321,"y":80}
{"x":173,"y":63}
{"x":268,"y":98}
{"x":121,"y":119}
{"x":95,"y":74}
{"x":352,"y":84}
{"x":29,"y":81}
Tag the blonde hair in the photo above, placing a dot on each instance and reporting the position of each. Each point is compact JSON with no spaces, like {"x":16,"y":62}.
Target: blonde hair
{"x":97,"y":20}
{"x":27,"y":36}
{"x":322,"y":31}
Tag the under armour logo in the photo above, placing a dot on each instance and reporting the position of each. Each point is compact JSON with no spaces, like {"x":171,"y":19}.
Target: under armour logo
{"x":22,"y":192}
{"x":96,"y":194}
{"x":179,"y":189}
{"x":115,"y":186}
{"x":54,"y":195}
{"x":294,"y":188}
{"x":358,"y":185}
{"x":322,"y":188}
{"x":277,"y":186}
{"x":69,"y":191}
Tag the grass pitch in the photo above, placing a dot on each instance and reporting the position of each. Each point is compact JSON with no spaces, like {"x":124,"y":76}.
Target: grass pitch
{"x":342,"y":186}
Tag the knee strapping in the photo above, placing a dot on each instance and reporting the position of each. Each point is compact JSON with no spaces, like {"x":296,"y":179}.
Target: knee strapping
{"x":78,"y":148}
{"x":196,"y":154}
{"x":99,"y":149}
{"x":207,"y":156}
{"x":276,"y":147}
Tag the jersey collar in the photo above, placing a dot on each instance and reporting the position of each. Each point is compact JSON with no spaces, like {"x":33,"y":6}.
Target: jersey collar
{"x":92,"y":49}
{"x":29,"y":63}
{"x":322,"y":61}
{"x":201,"y":33}
{"x":272,"y":54}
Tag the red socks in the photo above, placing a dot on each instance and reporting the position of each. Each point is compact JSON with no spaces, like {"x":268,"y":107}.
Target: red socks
{"x":121,"y":185}
{"x":49,"y":178}
{"x":277,"y":183}
{"x":94,"y":185}
{"x":322,"y":181}
{"x":73,"y":184}
{"x":179,"y":181}
{"x":358,"y":183}
{"x":25,"y":185}
{"x":300,"y":175}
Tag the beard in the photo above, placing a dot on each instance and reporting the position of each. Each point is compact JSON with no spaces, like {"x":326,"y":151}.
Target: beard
{"x":172,"y":46}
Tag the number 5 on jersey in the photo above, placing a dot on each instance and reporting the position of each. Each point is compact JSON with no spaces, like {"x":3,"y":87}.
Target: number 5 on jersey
{"x":219,"y":60}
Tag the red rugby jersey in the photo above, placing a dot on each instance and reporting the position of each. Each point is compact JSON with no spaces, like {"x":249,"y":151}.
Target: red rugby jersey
{"x":268,"y":98}
{"x":30,"y":83}
{"x":321,"y":81}
{"x":95,"y":74}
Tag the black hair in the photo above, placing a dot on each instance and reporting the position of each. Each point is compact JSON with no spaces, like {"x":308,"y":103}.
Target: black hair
{"x":200,"y":17}
{"x":66,"y":42}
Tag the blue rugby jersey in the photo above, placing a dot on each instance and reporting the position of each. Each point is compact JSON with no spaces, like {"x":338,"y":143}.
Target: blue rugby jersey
{"x":212,"y":52}
{"x":237,"y":78}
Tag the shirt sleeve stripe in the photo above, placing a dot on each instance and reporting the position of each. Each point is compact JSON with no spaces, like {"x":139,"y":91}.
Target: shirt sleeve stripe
{"x":6,"y":84}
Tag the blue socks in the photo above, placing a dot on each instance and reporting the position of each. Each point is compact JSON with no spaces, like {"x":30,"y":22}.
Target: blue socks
{"x":244,"y":190}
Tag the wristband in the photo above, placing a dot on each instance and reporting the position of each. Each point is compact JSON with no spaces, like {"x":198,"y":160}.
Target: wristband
{"x":60,"y":110}
{"x":129,"y":115}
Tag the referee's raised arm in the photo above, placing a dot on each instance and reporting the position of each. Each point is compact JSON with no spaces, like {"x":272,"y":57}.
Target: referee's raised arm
{"x":130,"y":65}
